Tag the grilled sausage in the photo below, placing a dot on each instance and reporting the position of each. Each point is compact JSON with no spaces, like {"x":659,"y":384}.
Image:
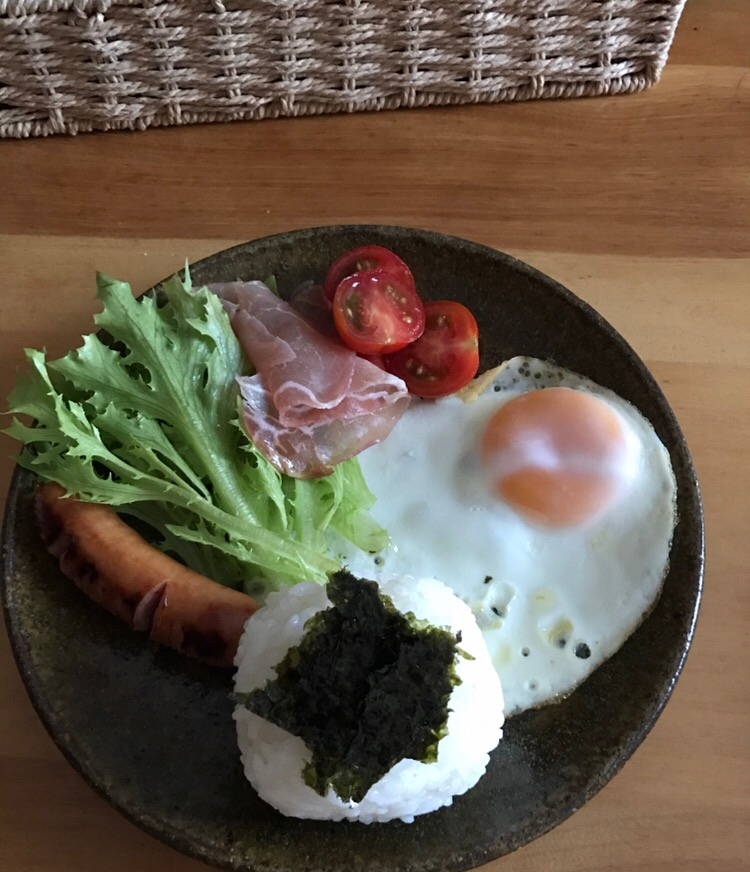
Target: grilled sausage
{"x":144,"y":587}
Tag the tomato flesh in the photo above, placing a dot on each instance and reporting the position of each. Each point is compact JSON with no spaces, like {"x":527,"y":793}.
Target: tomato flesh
{"x":367,"y":258}
{"x":445,"y":358}
{"x":375,"y":314}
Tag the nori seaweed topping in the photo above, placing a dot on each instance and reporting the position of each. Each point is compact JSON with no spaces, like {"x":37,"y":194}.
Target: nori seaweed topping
{"x":365,"y":688}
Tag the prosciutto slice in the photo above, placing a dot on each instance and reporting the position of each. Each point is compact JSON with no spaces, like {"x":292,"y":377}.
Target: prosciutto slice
{"x":312,"y":403}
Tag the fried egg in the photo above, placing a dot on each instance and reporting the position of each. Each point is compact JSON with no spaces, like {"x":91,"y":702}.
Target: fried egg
{"x":547,"y":504}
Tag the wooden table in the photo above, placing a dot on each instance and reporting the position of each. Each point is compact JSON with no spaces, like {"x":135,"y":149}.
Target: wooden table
{"x":640,"y":204}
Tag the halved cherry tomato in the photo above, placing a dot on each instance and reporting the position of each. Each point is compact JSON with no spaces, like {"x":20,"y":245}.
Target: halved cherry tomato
{"x":374,"y":359}
{"x":446,"y":355}
{"x":375,"y":313}
{"x":367,"y":258}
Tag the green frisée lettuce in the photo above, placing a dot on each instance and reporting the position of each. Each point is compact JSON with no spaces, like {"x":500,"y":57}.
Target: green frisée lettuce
{"x":149,"y":422}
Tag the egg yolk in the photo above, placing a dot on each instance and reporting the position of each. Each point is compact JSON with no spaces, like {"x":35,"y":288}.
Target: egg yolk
{"x":558,"y":456}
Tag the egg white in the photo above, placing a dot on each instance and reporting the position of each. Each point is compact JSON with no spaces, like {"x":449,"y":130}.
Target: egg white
{"x":553,"y":604}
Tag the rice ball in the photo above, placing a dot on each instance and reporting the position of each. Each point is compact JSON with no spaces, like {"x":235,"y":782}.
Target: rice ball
{"x":274,"y":759}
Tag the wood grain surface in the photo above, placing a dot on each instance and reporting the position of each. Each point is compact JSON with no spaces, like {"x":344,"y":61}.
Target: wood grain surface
{"x":639,"y":204}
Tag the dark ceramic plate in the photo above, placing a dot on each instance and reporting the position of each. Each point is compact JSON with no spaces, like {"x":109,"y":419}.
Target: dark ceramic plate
{"x":153,"y":733}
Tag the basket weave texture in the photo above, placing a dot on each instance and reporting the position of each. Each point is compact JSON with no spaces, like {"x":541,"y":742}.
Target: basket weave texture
{"x":77,"y":65}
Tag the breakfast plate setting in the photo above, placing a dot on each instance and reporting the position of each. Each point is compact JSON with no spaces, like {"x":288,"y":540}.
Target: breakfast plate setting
{"x":583,"y":604}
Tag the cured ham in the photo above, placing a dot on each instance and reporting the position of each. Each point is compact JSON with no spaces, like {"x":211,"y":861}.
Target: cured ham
{"x":312,"y":403}
{"x":309,"y":300}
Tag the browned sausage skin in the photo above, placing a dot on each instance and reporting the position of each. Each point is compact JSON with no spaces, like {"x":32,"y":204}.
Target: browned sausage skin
{"x":148,"y":590}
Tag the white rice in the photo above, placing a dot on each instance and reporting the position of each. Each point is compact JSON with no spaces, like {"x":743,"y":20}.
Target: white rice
{"x":274,"y":759}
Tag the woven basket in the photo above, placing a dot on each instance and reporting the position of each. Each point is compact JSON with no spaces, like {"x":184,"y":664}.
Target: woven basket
{"x":76,"y":65}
